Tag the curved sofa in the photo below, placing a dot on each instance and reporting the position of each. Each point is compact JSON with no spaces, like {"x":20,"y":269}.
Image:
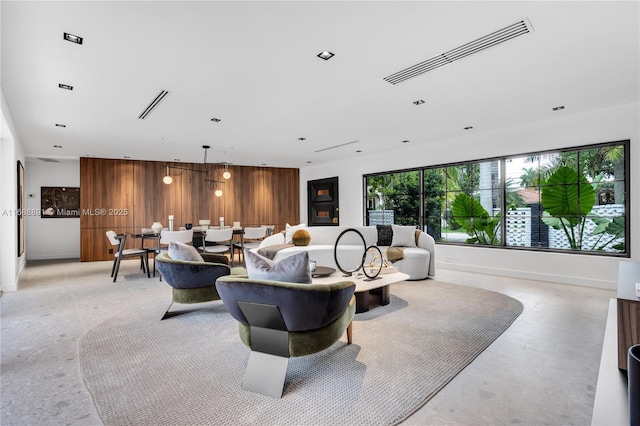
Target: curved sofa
{"x":418,"y":262}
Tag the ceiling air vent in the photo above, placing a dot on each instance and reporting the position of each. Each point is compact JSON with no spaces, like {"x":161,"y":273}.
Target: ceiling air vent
{"x":154,"y":103}
{"x":336,"y":146}
{"x":517,"y":29}
{"x":49,"y":160}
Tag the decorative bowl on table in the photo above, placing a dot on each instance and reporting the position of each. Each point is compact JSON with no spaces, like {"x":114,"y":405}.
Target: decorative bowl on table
{"x":322,"y":271}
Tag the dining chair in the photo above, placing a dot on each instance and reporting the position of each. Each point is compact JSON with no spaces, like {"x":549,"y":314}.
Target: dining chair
{"x":270,"y":229}
{"x":222,"y":239}
{"x":122,"y":253}
{"x":252,"y":237}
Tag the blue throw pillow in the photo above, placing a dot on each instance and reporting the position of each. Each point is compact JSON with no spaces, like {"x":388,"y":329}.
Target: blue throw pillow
{"x":291,"y":269}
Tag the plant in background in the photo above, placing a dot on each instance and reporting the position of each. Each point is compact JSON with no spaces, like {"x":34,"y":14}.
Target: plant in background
{"x":568,"y":198}
{"x":480,"y":226}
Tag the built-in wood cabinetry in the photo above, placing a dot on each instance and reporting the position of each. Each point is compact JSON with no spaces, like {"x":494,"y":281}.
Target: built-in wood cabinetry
{"x":127,"y":195}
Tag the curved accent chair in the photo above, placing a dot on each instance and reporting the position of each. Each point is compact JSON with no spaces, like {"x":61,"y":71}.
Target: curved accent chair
{"x":278,"y":320}
{"x":192,"y":281}
{"x":166,"y":237}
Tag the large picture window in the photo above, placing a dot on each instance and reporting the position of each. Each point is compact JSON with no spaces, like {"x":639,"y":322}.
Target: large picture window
{"x":564,"y":200}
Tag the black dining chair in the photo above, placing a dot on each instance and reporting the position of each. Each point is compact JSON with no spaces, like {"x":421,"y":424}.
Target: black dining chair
{"x":122,"y":253}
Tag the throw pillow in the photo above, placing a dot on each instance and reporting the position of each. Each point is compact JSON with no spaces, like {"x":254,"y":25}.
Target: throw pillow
{"x":403,"y":236}
{"x":270,"y":251}
{"x":291,"y":269}
{"x":301,"y":237}
{"x":182,"y":251}
{"x":385,"y":235}
{"x":289,"y":231}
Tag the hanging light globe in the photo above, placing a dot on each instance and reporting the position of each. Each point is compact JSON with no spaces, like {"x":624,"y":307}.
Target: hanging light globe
{"x":167,"y":180}
{"x":226,"y":174}
{"x":218,"y":192}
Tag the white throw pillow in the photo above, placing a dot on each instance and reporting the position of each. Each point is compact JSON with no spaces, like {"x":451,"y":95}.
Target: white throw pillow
{"x":403,"y":236}
{"x":182,"y":251}
{"x":290,"y":230}
{"x":292,"y":269}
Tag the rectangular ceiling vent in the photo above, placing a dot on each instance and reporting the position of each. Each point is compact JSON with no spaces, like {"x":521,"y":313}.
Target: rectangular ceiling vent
{"x":336,"y":146}
{"x":517,"y":29}
{"x":154,"y":103}
{"x":49,"y":160}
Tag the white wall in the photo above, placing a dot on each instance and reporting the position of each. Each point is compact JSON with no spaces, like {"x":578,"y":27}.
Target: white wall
{"x":611,"y":124}
{"x":11,"y":151}
{"x":50,"y":238}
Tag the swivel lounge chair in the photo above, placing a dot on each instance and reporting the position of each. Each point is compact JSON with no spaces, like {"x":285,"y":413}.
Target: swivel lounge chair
{"x":192,"y":281}
{"x":278,"y":320}
{"x":166,"y":237}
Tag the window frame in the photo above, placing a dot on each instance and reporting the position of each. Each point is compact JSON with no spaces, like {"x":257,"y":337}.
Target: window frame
{"x":503,"y":197}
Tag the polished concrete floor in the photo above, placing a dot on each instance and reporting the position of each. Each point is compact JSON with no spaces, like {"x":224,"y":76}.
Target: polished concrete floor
{"x":542,"y":370}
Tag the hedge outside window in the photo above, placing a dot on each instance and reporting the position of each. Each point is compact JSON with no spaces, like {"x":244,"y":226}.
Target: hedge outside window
{"x":393,"y":198}
{"x":564,"y":200}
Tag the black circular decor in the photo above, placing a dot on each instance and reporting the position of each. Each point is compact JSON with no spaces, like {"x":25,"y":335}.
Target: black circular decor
{"x":373,"y":273}
{"x":335,"y":251}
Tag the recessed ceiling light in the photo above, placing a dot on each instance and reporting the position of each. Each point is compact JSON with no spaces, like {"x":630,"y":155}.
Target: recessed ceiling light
{"x":60,"y":125}
{"x":358,"y":150}
{"x":263,"y":164}
{"x":418,"y":102}
{"x":308,"y":162}
{"x":302,"y":139}
{"x":73,"y":38}
{"x":558,"y":108}
{"x":405,"y":141}
{"x":468,"y":128}
{"x":126,"y":156}
{"x":65,"y":86}
{"x":57,"y":146}
{"x":215,"y":120}
{"x":325,"y":54}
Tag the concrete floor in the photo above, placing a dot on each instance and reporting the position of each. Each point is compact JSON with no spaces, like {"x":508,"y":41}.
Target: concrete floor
{"x":543,"y":370}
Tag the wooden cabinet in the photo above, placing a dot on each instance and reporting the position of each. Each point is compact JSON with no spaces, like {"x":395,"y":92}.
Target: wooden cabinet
{"x":628,"y":310}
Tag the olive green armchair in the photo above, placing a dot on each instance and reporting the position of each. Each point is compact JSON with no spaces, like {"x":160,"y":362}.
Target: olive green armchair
{"x":278,"y":320}
{"x":192,"y":281}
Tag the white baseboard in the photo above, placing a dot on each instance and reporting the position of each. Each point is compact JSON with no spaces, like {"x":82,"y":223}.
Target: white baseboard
{"x":54,"y":256}
{"x":538,"y":276}
{"x":9,"y":287}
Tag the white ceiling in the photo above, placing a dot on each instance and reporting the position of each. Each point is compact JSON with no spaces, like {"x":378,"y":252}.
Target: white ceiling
{"x":254,"y":66}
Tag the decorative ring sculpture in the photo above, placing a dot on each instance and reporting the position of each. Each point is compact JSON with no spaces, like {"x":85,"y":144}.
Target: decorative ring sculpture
{"x":335,"y":251}
{"x":372,"y":268}
{"x":364,"y":255}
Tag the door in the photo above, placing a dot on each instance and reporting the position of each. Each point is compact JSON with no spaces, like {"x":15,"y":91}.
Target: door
{"x":323,"y":208}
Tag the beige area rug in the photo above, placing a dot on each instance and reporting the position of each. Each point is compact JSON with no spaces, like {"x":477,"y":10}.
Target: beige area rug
{"x":187,"y":370}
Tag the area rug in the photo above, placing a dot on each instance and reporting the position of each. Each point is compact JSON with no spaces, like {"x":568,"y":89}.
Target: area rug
{"x":187,"y":370}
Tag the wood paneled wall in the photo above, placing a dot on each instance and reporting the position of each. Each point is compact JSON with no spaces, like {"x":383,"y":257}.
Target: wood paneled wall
{"x":127,"y":195}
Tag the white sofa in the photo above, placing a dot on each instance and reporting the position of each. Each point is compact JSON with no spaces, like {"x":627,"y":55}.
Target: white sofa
{"x":418,"y":262}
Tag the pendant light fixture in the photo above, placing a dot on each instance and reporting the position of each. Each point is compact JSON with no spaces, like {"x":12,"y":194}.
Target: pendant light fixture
{"x":226,"y":174}
{"x":203,"y":172}
{"x":167,"y":179}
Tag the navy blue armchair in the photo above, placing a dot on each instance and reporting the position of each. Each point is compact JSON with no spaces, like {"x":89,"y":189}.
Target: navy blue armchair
{"x":278,"y":320}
